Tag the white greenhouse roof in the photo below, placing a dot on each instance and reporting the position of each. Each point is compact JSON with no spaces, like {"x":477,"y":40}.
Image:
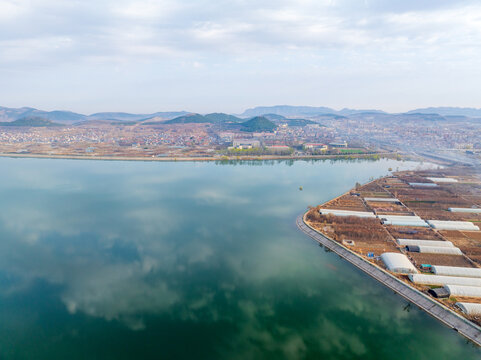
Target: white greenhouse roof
{"x":442,"y":180}
{"x":420,"y":242}
{"x":398,"y":263}
{"x":399,"y":217}
{"x":456,"y":271}
{"x":415,"y":223}
{"x":402,"y":220}
{"x":381,"y":199}
{"x":444,"y":280}
{"x":466,"y":210}
{"x":440,"y":250}
{"x":336,"y":212}
{"x":469,"y":308}
{"x":452,"y":225}
{"x":460,"y":290}
{"x":414,"y":184}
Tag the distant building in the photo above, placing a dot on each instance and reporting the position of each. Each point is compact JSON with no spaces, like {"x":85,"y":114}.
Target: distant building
{"x":245,"y":144}
{"x":278,"y":148}
{"x":338,"y":144}
{"x":281,"y":147}
{"x":314,"y":146}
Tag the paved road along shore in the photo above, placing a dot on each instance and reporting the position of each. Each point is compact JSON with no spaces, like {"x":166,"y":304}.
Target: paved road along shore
{"x":432,"y":307}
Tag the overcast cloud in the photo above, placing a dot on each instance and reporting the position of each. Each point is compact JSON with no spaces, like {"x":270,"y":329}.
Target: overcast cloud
{"x":145,"y":56}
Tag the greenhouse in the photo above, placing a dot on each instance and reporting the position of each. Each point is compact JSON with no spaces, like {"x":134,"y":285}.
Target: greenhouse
{"x":402,"y":220}
{"x":456,"y":271}
{"x":466,"y":210}
{"x":335,"y":212}
{"x":406,"y":223}
{"x":419,"y":242}
{"x":442,"y":180}
{"x":398,"y":263}
{"x":434,"y":250}
{"x":444,"y":280}
{"x":469,"y":308}
{"x":394,"y":200}
{"x":452,"y":225}
{"x":416,"y":184}
{"x":466,"y":291}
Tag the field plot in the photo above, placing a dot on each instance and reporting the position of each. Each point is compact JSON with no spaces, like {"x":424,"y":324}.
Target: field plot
{"x":347,"y":202}
{"x":419,"y":259}
{"x":405,"y":232}
{"x":401,"y":197}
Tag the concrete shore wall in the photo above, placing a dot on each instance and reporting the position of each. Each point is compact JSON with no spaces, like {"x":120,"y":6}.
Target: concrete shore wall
{"x":450,"y":318}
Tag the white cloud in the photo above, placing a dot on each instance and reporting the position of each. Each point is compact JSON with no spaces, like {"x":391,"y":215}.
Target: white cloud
{"x":241,"y":42}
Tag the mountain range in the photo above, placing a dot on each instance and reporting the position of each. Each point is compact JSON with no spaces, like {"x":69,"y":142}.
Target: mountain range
{"x":278,"y":113}
{"x":69,"y":117}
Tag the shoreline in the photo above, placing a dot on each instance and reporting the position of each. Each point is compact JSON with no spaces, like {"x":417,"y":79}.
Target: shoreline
{"x":435,"y":309}
{"x":204,"y":158}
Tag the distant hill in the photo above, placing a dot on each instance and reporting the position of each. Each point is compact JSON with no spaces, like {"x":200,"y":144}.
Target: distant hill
{"x":65,"y":117}
{"x":292,"y":111}
{"x":69,"y":117}
{"x":274,"y":117}
{"x":222,"y":118}
{"x":347,"y":112}
{"x":423,"y":116}
{"x":213,"y":118}
{"x":258,"y":124}
{"x":31,"y":122}
{"x":187,"y":119}
{"x":449,"y":111}
{"x":117,"y":116}
{"x":286,"y":110}
{"x":121,"y":116}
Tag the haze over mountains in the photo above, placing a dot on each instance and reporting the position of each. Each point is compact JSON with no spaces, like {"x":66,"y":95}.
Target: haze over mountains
{"x":274,"y":113}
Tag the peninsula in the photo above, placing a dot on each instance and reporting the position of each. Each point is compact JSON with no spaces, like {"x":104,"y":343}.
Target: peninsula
{"x":418,"y":232}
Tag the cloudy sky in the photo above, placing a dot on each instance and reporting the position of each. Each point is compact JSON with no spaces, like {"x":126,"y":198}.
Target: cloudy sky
{"x":219,"y":55}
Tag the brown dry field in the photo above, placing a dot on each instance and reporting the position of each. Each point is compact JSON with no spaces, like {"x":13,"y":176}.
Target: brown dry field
{"x":346,"y":202}
{"x":429,"y":203}
{"x":437,"y":259}
{"x":404,"y":232}
{"x":370,"y":235}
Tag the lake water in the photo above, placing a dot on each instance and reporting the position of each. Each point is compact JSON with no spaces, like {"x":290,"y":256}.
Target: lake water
{"x":131,"y":260}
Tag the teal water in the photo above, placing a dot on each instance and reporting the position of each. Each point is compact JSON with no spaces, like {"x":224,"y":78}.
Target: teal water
{"x":134,"y":260}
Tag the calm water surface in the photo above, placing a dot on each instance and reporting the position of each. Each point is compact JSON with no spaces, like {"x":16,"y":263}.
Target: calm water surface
{"x":124,"y":260}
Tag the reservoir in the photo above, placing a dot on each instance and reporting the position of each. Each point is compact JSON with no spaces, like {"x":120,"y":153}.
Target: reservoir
{"x":192,"y":260}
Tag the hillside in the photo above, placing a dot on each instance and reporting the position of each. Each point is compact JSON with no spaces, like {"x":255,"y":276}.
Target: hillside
{"x":187,"y":119}
{"x":31,"y":122}
{"x":66,"y":117}
{"x":214,"y":118}
{"x":451,"y":111}
{"x":258,"y":124}
{"x":120,"y":116}
{"x":222,"y":118}
{"x":274,"y":117}
{"x":287,"y":110}
{"x":301,"y":111}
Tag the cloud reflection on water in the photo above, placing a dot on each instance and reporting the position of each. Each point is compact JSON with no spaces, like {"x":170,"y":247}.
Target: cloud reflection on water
{"x":136,"y":249}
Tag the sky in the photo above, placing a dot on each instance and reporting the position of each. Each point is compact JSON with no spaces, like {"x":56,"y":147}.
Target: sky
{"x":218,"y":55}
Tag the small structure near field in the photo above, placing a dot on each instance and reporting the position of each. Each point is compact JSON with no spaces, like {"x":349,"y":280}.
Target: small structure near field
{"x":245,"y":144}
